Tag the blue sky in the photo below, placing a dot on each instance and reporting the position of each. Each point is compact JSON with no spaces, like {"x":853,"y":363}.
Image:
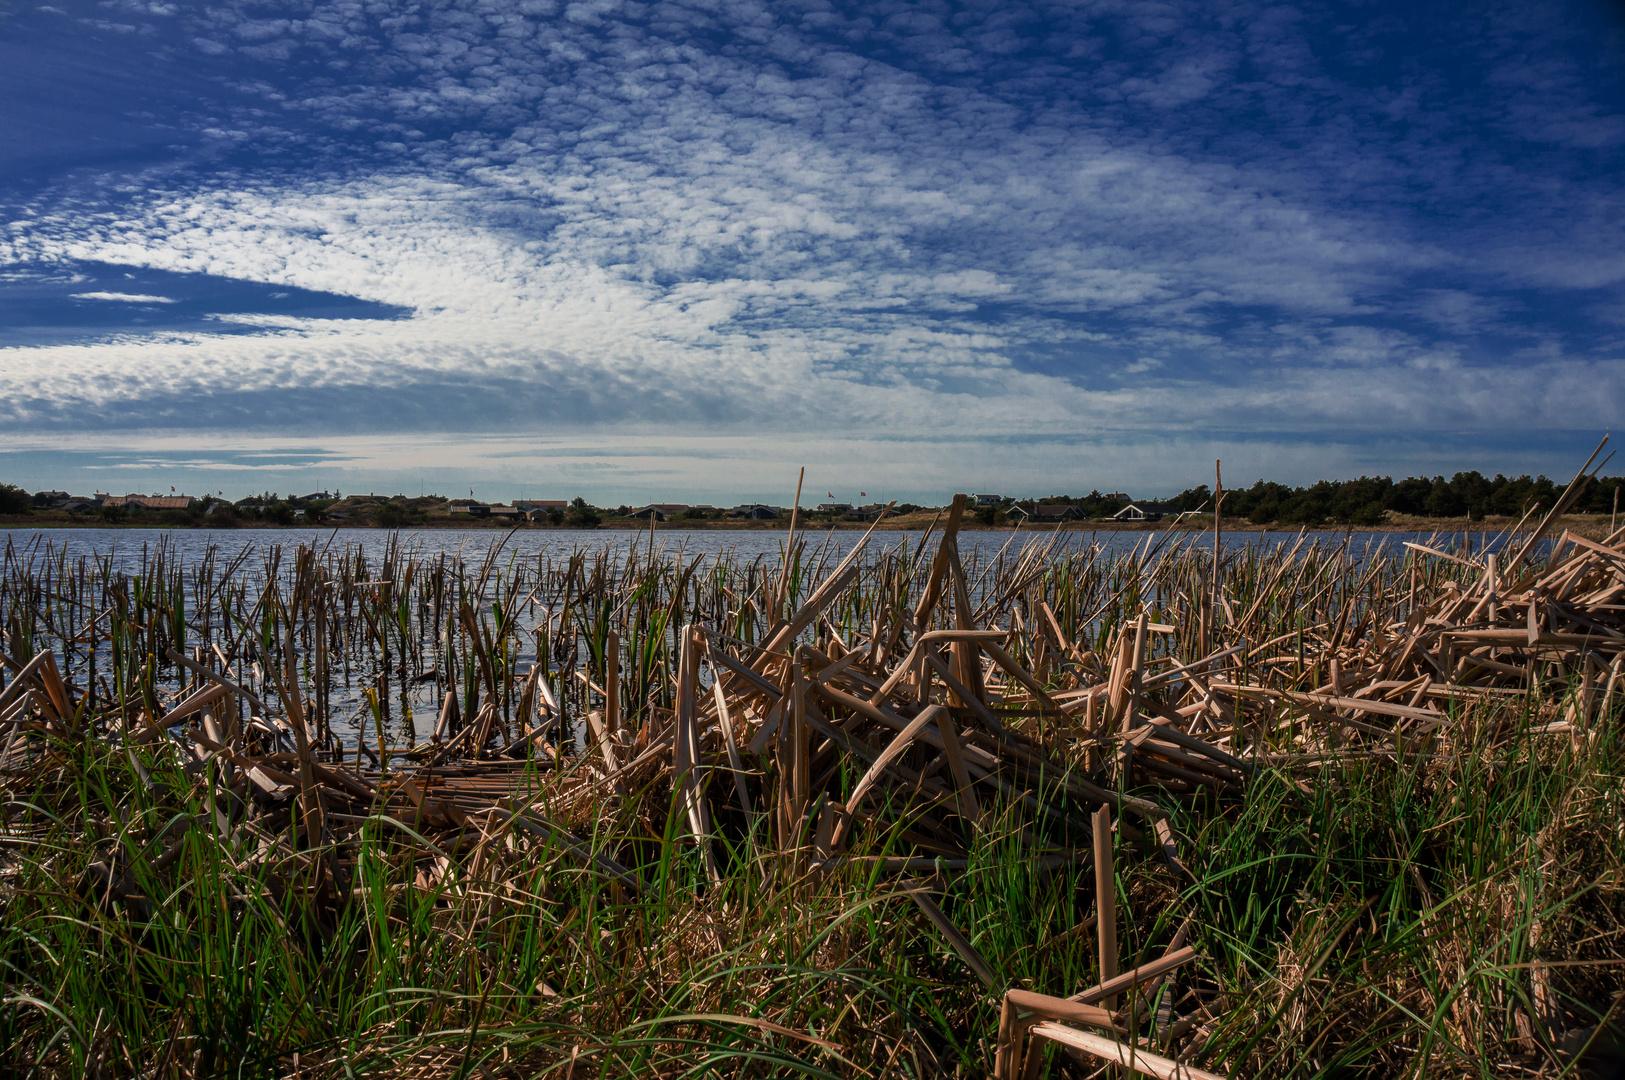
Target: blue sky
{"x":679,"y":249}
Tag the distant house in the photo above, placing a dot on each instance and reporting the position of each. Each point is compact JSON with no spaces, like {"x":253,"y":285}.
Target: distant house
{"x":313,"y":496}
{"x":1145,"y":511}
{"x":145,"y":502}
{"x":472,"y":509}
{"x":530,"y":506}
{"x":987,"y":500}
{"x":61,"y":500}
{"x":834,"y":508}
{"x":1046,"y":513}
{"x":659,"y":511}
{"x":755,"y":512}
{"x":867,"y":513}
{"x":507,"y":513}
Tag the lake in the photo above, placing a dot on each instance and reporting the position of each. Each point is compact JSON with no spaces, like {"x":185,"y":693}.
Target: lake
{"x":741,"y":545}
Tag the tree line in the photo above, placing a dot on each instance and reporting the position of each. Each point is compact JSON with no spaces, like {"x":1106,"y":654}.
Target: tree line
{"x":1365,"y":501}
{"x":1370,"y":499}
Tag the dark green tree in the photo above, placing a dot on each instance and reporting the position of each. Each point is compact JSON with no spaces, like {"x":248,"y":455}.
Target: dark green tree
{"x":582,"y":515}
{"x":14,"y":500}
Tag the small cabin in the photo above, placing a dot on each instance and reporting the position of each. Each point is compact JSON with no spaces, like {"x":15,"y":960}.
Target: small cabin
{"x":1144,"y":511}
{"x":145,"y":502}
{"x":658,"y":511}
{"x":1047,"y":513}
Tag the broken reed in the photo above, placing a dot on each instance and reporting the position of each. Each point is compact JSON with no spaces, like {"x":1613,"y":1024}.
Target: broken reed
{"x":389,"y":639}
{"x":1374,"y":912}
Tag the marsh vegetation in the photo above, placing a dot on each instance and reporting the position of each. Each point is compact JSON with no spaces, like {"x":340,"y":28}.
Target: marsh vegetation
{"x":1283,"y":810}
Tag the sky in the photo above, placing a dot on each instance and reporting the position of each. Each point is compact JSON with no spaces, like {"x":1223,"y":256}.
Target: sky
{"x":676,"y":251}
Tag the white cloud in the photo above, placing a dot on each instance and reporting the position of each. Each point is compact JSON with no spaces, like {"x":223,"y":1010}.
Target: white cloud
{"x":128,"y":298}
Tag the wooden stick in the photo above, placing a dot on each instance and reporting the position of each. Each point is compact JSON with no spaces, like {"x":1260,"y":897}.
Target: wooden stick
{"x":845,"y":572}
{"x":1106,"y":991}
{"x":964,"y":693}
{"x":939,"y":565}
{"x":195,"y":701}
{"x":789,"y":549}
{"x":966,"y":666}
{"x":1007,"y":1047}
{"x":1106,"y":901}
{"x":51,"y":679}
{"x":612,"y":682}
{"x":1021,"y":675}
{"x":758,"y":684}
{"x":1048,"y":616}
{"x":725,"y":721}
{"x":198,"y":669}
{"x":606,"y":747}
{"x":1190,"y":742}
{"x":904,"y":666}
{"x":969,"y":808}
{"x":19,"y":682}
{"x":1136,"y":667}
{"x":295,"y":708}
{"x":801,"y":768}
{"x":1128,"y":1056}
{"x":1023,"y":1009}
{"x":784,"y":762}
{"x":890,"y":754}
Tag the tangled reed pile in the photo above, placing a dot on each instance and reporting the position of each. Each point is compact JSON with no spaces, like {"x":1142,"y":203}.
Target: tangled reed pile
{"x":1185,"y":813}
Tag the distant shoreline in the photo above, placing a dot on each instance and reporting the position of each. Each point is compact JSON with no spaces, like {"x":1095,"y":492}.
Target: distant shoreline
{"x":1593,"y":526}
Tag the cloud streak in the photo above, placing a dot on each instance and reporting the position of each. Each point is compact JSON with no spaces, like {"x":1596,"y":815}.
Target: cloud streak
{"x":126,"y":298}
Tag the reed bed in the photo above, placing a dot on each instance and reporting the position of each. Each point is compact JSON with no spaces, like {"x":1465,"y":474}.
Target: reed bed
{"x":1190,"y":811}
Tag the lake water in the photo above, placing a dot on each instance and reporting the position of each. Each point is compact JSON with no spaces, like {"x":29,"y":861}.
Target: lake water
{"x":741,"y":545}
{"x":531,"y":548}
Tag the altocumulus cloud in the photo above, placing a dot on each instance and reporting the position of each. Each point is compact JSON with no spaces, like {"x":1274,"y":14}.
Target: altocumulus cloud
{"x":1263,"y":224}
